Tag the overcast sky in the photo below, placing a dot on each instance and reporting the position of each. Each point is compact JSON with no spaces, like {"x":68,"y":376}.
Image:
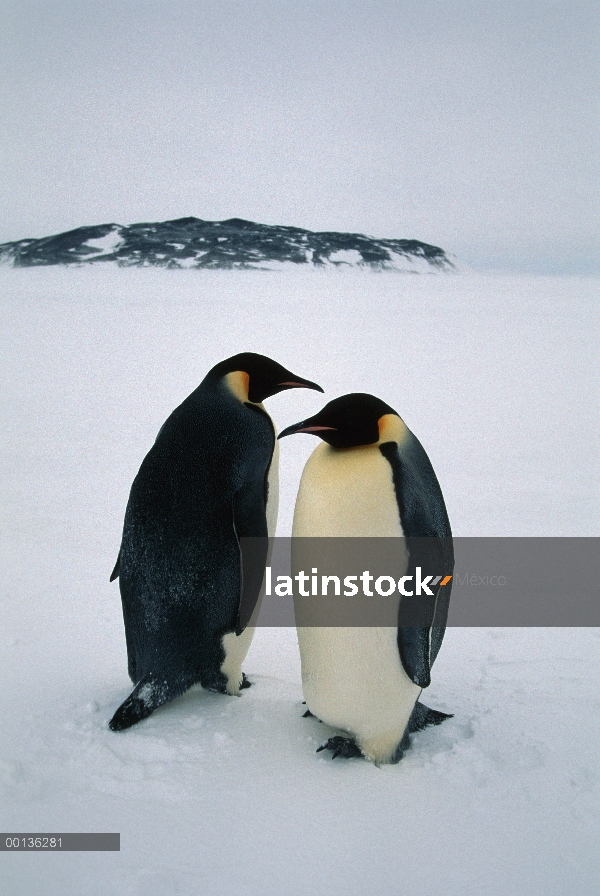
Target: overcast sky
{"x":469,"y":125}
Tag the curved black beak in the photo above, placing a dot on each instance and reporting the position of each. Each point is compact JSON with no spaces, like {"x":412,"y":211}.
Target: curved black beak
{"x":304,"y":426}
{"x":297,"y":383}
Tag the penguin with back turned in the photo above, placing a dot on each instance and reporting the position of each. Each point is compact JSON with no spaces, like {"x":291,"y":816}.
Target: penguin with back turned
{"x":209,"y":480}
{"x":371,"y":477}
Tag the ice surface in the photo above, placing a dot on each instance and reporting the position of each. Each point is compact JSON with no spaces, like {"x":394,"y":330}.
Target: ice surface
{"x":224,"y":795}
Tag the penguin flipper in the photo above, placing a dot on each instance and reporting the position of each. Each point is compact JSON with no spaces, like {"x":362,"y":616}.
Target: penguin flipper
{"x":413,"y":644}
{"x":419,"y":644}
{"x":115,"y":573}
{"x":250,"y":523}
{"x":429,"y":541}
{"x":433,"y":554}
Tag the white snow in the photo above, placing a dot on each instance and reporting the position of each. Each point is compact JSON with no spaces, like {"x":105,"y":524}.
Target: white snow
{"x":108,"y":243}
{"x":346,"y":256}
{"x":413,"y":264}
{"x":224,"y":795}
{"x":189,"y":262}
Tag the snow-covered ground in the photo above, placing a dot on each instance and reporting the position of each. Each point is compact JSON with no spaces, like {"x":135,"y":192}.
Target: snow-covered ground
{"x":225,"y":796}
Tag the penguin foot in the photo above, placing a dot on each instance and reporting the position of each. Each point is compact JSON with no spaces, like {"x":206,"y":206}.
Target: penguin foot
{"x":422,"y":716}
{"x":246,"y":683}
{"x":341,"y":746}
{"x":308,"y":714}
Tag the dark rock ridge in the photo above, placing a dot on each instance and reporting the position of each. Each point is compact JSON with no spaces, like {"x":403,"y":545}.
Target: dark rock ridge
{"x":193,"y":243}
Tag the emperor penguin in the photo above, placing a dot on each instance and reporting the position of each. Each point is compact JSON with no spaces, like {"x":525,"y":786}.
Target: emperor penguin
{"x":371,"y":477}
{"x":209,"y":480}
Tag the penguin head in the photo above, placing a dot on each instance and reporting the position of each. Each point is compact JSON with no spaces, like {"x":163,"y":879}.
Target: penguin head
{"x":346,"y":422}
{"x":263,"y":377}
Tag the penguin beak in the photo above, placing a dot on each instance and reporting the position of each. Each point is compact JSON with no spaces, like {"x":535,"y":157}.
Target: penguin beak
{"x":301,"y":384}
{"x":305,"y":426}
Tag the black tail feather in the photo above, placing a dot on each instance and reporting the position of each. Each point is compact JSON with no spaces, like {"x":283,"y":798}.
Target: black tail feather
{"x":147,"y":696}
{"x":422,"y":716}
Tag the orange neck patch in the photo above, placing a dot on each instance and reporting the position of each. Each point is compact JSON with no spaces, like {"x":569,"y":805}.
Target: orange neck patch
{"x":238,"y":382}
{"x":391,"y":429}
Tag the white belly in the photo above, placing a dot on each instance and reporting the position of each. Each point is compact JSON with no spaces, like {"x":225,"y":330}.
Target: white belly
{"x":346,"y":493}
{"x":353,"y":678}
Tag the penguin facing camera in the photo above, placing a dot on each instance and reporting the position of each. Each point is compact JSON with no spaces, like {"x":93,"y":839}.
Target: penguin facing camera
{"x":371,"y":477}
{"x":209,"y":480}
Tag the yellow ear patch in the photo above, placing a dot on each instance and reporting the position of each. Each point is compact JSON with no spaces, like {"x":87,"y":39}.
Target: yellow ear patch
{"x":392,"y":429}
{"x":238,"y":382}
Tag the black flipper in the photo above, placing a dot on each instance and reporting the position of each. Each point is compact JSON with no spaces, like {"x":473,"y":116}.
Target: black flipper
{"x":147,"y":696}
{"x":115,"y":573}
{"x":249,"y":506}
{"x":419,"y":644}
{"x":414,"y":647}
{"x":429,"y":541}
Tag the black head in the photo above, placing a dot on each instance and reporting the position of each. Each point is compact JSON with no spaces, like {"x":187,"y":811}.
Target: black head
{"x":346,"y":422}
{"x":265,"y":377}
